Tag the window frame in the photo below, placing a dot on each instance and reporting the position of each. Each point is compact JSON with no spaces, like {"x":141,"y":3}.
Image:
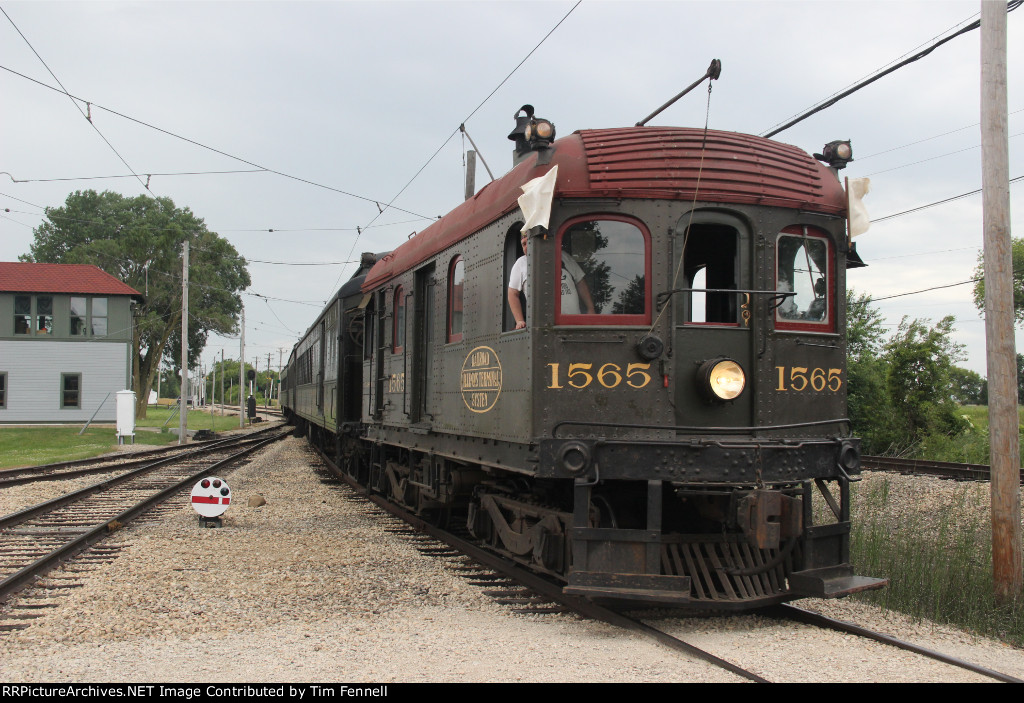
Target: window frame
{"x":708,"y":233}
{"x":27,"y":316}
{"x":828,"y":324}
{"x":398,"y":323}
{"x":3,"y":390}
{"x":601,"y":319}
{"x":94,"y":318}
{"x":64,"y":391}
{"x":83,"y":319}
{"x":453,"y":336}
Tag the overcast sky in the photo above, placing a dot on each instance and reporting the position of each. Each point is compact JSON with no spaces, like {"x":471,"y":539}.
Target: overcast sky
{"x":353,"y":99}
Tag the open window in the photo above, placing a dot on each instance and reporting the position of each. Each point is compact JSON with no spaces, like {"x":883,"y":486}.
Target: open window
{"x":710,"y":264}
{"x":456,"y":286}
{"x":513,"y":250}
{"x":604,"y":277}
{"x":398,"y":333}
{"x":805,"y":267}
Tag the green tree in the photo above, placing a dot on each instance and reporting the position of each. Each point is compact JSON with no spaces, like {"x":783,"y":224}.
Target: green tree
{"x":869,"y":404}
{"x":1017,"y":252}
{"x":968,"y":387}
{"x":904,"y":389}
{"x":920,"y":361}
{"x":139,"y":241}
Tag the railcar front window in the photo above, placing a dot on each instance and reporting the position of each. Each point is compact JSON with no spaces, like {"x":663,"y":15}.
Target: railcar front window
{"x":604,"y":273}
{"x":710,"y":262}
{"x":804,"y":269}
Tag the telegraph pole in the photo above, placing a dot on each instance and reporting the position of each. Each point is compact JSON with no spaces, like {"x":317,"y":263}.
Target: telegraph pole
{"x":183,"y":411}
{"x":241,"y":374}
{"x":999,"y":319}
{"x":222,"y":374}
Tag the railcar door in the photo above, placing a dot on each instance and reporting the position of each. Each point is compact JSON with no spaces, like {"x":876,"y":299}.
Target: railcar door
{"x":712,"y":307}
{"x":804,"y":361}
{"x":423,"y":345}
{"x":321,"y":368}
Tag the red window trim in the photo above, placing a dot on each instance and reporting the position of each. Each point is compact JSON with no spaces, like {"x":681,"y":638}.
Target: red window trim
{"x":608,"y":320}
{"x":827,"y":325}
{"x":456,"y":336}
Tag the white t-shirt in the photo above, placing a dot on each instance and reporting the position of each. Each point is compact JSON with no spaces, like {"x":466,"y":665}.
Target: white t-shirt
{"x":571,"y":275}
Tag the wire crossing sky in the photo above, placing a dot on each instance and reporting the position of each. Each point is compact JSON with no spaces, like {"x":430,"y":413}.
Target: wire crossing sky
{"x":294,"y":128}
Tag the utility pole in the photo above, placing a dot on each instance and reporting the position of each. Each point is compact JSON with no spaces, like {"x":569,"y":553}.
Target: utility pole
{"x":241,"y":374}
{"x":183,"y":411}
{"x":1000,"y":348}
{"x":213,"y":392}
{"x":222,"y":374}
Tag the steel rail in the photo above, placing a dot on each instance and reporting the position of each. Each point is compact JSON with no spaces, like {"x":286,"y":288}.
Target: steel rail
{"x":537,"y":583}
{"x":22,"y":577}
{"x":946,"y":469}
{"x":792,"y":612}
{"x":54,"y":503}
{"x":7,"y":474}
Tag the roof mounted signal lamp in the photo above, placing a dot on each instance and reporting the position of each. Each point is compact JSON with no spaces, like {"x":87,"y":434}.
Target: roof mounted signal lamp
{"x":836,"y":154}
{"x":531,"y":133}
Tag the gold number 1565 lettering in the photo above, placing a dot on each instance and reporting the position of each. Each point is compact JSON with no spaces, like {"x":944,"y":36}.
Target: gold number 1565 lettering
{"x":609,"y":375}
{"x":801,"y":378}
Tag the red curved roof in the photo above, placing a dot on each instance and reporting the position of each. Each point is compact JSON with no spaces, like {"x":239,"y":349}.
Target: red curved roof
{"x":639,"y":162}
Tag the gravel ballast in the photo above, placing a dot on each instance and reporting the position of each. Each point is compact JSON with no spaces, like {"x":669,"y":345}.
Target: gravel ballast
{"x":313,"y":587}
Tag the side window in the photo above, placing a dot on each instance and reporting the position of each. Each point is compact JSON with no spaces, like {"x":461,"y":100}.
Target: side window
{"x":99,"y":317}
{"x":456,"y":285}
{"x":71,"y":390}
{"x":398,"y":332}
{"x":513,"y":251}
{"x":22,"y":314}
{"x":78,"y":316}
{"x":44,"y":314}
{"x":709,"y":266}
{"x":3,"y":390}
{"x":804,"y":268}
{"x":605,"y":273}
{"x":369,"y":327}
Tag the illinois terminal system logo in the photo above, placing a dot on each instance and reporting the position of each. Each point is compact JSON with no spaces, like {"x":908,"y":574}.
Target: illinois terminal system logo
{"x":481,"y":379}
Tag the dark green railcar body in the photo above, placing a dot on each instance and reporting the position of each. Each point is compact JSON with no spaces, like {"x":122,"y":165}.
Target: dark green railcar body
{"x":670,"y":425}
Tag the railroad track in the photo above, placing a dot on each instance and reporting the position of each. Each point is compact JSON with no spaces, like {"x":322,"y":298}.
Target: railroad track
{"x":35,"y":540}
{"x":509,"y":583}
{"x":942,"y":469}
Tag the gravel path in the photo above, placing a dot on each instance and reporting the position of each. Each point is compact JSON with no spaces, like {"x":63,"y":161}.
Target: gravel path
{"x":311,"y":587}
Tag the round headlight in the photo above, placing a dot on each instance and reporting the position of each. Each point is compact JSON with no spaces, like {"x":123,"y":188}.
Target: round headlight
{"x":544,"y":129}
{"x":721,"y":379}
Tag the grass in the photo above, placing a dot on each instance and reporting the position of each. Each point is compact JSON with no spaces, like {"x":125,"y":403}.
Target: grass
{"x":30,"y":445}
{"x":937,"y":554}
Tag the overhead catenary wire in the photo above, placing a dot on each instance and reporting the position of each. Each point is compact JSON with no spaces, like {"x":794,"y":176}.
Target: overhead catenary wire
{"x":169,"y":133}
{"x":462,"y":124}
{"x":86,"y":115}
{"x":881,"y":73}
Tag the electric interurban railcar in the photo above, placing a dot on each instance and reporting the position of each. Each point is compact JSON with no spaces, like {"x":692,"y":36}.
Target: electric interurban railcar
{"x":670,"y":424}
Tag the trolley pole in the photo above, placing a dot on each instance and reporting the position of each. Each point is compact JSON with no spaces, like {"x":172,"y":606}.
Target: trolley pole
{"x":999,"y":319}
